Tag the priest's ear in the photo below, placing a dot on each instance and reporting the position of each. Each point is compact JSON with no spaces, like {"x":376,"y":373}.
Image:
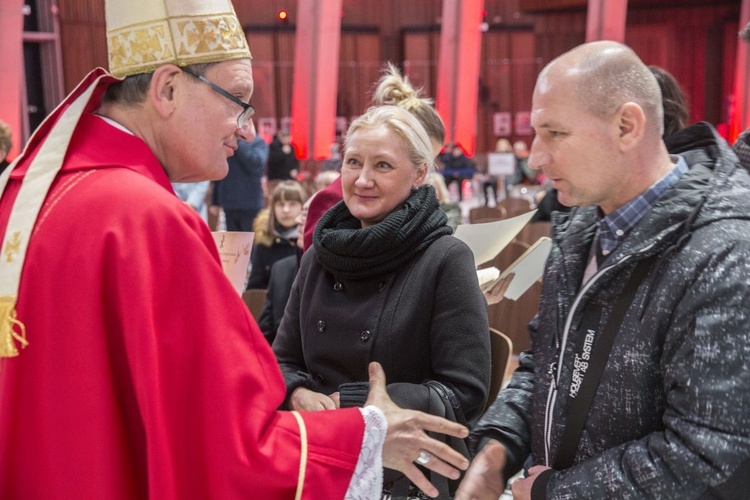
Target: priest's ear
{"x":165,"y":87}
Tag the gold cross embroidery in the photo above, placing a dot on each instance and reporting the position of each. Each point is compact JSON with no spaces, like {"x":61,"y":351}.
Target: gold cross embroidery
{"x":12,"y":246}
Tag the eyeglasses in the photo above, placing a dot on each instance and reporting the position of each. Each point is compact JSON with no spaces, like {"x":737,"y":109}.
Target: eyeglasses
{"x":248,"y":111}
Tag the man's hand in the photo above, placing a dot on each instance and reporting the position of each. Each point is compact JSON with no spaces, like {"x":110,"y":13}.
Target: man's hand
{"x":306,"y":400}
{"x":484,"y":479}
{"x":406,"y":438}
{"x":497,"y":292}
{"x":522,"y":487}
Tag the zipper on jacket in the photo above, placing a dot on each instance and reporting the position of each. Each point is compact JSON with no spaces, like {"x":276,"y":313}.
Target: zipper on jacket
{"x":551,"y":398}
{"x":555,"y":368}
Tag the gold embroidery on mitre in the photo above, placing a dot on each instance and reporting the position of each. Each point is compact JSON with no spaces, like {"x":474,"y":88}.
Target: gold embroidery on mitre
{"x":143,"y":47}
{"x":207,"y":36}
{"x":137,"y":47}
{"x":8,"y":322}
{"x":12,"y":246}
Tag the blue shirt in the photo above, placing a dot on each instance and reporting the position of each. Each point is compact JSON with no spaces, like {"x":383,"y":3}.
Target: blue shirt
{"x":615,"y":226}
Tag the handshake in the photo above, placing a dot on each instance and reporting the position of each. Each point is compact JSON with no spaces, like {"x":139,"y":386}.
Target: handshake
{"x":407,"y":442}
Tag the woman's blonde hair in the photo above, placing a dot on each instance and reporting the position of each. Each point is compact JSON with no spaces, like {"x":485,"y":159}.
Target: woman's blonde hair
{"x":395,"y":89}
{"x":404,"y":124}
{"x":437,"y":181}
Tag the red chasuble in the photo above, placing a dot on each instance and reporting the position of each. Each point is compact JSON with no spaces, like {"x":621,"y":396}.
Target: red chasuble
{"x":145,"y":375}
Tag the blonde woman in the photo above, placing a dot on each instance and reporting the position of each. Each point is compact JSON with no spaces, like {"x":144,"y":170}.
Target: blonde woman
{"x":386,"y":281}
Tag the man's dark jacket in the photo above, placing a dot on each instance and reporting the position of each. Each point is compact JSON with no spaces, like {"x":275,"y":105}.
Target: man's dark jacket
{"x":671,"y":416}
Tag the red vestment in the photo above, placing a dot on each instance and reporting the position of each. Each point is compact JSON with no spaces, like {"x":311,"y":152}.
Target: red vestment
{"x":145,"y":375}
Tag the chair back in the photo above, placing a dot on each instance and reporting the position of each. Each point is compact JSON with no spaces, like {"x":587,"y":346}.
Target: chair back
{"x":515,"y":206}
{"x":514,"y":316}
{"x":501,"y":349}
{"x":533,"y":231}
{"x":486,"y":214}
{"x":254,"y":300}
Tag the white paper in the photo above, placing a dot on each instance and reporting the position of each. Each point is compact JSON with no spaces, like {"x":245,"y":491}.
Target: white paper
{"x":234,"y":251}
{"x":487,"y":239}
{"x":488,"y":275}
{"x":527,"y":268}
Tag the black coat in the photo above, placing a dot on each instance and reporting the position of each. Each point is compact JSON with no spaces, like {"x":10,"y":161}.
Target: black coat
{"x":283,"y":273}
{"x":426,"y":322}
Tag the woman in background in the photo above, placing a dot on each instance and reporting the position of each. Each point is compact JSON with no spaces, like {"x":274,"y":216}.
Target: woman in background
{"x":275,"y":231}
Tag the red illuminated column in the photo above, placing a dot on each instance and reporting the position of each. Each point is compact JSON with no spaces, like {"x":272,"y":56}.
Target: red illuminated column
{"x":458,"y":70}
{"x":11,"y":76}
{"x":606,"y":20}
{"x":740,"y":119}
{"x":315,"y":83}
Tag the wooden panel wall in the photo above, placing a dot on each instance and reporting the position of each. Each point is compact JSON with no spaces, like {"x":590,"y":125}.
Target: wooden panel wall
{"x":690,"y":44}
{"x":697,"y":44}
{"x":83,"y":39}
{"x":360,"y":61}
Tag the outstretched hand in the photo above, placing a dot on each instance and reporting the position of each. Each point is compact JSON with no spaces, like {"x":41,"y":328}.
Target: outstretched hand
{"x":406,"y":438}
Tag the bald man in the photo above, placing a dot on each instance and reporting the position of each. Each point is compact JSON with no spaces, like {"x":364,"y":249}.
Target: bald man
{"x":637,"y":384}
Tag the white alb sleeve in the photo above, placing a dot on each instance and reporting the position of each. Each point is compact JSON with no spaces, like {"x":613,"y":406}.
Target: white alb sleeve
{"x":367,"y":481}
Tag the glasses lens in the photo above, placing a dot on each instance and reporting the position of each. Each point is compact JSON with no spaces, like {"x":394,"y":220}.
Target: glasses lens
{"x":246,"y":117}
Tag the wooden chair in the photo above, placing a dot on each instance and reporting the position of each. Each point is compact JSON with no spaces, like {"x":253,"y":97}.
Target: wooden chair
{"x":513,"y":316}
{"x":515,"y":206}
{"x":486,"y":214}
{"x":533,"y":231}
{"x":255,"y":299}
{"x":501,"y":348}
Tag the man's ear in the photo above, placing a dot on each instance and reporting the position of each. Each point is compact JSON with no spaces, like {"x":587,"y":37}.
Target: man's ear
{"x":163,"y":89}
{"x":631,"y":121}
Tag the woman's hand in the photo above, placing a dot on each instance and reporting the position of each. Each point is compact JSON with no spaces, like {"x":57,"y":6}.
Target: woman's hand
{"x":336,"y":398}
{"x":406,"y":440}
{"x":306,"y":400}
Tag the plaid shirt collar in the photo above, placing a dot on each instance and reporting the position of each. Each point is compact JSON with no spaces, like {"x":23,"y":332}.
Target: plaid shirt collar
{"x":615,"y":226}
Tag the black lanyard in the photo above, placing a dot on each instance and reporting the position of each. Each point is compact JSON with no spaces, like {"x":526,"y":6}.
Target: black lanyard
{"x":590,"y":358}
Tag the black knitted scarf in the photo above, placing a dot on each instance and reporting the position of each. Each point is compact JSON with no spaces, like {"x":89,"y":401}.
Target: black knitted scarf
{"x":350,"y":251}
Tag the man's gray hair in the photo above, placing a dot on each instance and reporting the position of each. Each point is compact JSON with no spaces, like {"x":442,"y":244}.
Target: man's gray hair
{"x":133,"y":89}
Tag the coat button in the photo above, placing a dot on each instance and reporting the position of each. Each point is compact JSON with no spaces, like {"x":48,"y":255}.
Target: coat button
{"x":381,"y":286}
{"x":321,"y":326}
{"x":365,"y":335}
{"x":337,"y":286}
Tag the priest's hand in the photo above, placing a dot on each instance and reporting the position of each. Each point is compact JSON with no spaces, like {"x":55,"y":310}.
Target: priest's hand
{"x":407,"y":441}
{"x":484,"y":479}
{"x":306,"y":400}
